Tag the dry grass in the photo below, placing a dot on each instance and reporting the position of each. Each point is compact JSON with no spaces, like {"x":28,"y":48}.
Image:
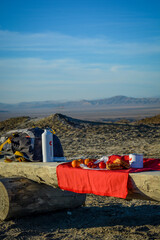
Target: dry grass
{"x":13,"y":123}
{"x":150,"y":120}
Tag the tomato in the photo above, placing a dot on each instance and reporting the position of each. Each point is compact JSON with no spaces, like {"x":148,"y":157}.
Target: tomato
{"x":102,"y":165}
{"x":89,"y":164}
{"x":87,"y":160}
{"x":92,"y":165}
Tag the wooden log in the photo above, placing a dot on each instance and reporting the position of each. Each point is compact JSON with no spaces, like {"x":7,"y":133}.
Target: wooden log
{"x":37,"y":171}
{"x":143,"y":185}
{"x":20,"y":197}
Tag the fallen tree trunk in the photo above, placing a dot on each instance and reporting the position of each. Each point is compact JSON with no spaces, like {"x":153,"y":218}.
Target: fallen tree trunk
{"x":142,"y":185}
{"x":21,"y":196}
{"x":37,"y":171}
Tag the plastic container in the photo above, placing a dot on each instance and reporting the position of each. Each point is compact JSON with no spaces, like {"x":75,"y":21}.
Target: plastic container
{"x":136,"y":160}
{"x":47,"y":146}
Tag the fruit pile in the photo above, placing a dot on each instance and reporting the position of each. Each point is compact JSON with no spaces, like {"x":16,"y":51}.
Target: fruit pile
{"x":114,"y":162}
{"x":88,"y":162}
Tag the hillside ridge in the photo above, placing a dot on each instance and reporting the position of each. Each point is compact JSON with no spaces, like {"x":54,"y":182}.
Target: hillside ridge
{"x":59,"y":121}
{"x":117,"y":100}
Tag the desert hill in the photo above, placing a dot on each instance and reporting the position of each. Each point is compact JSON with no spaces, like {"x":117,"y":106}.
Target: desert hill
{"x":60,"y":121}
{"x":150,"y":120}
{"x":95,"y":139}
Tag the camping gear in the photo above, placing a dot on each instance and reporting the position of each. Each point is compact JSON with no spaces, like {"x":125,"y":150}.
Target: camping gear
{"x":136,"y":160}
{"x":26,"y":145}
{"x":47,"y":146}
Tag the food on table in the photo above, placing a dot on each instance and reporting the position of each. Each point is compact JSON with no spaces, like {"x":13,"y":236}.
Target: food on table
{"x":92,"y":165}
{"x":81,"y":160}
{"x":90,"y":161}
{"x":117,"y":162}
{"x":75,"y":163}
{"x":102,"y":164}
{"x":87,"y":160}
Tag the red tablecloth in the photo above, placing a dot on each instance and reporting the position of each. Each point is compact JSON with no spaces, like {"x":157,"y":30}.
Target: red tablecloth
{"x":100,"y":182}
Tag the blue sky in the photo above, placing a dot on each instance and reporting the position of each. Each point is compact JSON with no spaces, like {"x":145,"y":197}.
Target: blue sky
{"x":79,"y":49}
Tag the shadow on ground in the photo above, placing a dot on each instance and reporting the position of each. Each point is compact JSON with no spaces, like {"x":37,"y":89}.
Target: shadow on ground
{"x":90,"y":217}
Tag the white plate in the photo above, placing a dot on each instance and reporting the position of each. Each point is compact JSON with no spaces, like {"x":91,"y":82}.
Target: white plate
{"x":85,"y":167}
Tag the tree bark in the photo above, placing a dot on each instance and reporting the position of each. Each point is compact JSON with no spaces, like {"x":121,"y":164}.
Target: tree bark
{"x":21,"y":196}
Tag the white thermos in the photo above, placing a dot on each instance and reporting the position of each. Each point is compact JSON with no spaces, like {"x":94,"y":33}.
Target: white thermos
{"x":47,"y":146}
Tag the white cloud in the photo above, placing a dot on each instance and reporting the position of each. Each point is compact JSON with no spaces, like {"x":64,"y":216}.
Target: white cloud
{"x":33,"y":71}
{"x":116,"y":68}
{"x":40,"y":42}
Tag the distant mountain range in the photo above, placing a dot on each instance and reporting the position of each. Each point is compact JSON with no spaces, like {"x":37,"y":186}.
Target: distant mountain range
{"x":117,"y":100}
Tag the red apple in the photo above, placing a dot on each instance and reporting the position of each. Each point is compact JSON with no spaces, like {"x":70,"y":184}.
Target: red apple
{"x":102,"y":165}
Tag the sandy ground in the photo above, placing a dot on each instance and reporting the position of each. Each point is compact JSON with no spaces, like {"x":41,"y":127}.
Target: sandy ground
{"x":101,"y":217}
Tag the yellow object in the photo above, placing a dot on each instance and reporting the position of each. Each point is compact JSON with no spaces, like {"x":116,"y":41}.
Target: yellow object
{"x":7,"y":141}
{"x":21,"y":157}
{"x":19,"y":154}
{"x":52,"y":131}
